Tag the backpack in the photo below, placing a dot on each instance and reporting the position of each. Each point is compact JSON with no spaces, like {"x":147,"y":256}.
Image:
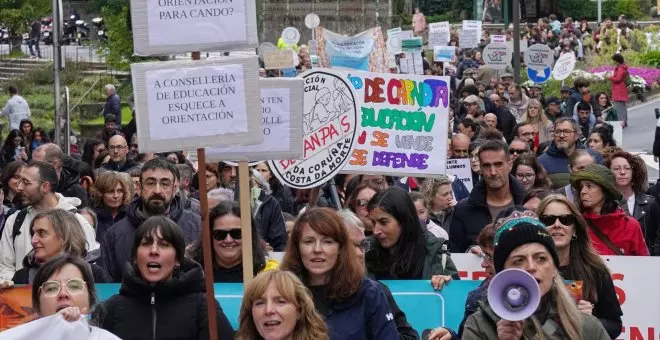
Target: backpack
{"x":18,"y":222}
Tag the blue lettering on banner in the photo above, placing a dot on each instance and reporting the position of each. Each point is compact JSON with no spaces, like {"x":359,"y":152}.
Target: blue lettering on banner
{"x":441,"y":308}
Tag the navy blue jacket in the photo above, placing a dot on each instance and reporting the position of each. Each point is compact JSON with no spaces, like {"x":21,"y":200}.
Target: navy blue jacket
{"x":106,"y":221}
{"x":118,"y":241}
{"x":113,"y":106}
{"x":555,"y":163}
{"x":364,"y":316}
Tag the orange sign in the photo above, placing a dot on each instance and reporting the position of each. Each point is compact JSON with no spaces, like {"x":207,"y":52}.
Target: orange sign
{"x":16,"y":307}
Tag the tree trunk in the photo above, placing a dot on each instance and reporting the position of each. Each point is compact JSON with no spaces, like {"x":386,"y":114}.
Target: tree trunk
{"x":15,"y":42}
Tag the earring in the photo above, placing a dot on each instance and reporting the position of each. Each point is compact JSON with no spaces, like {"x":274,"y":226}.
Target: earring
{"x":574,"y":237}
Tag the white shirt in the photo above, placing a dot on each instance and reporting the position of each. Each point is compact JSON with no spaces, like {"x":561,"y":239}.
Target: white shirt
{"x":631,"y":204}
{"x":54,"y":327}
{"x":16,"y":110}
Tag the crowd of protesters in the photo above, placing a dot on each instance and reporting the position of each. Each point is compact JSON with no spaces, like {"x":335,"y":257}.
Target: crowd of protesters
{"x":551,"y":193}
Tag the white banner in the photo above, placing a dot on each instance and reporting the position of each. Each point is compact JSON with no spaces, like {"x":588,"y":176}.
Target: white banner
{"x":444,"y":53}
{"x":281,"y":121}
{"x":473,"y":25}
{"x":194,"y":104}
{"x":54,"y":327}
{"x":460,"y":170}
{"x":564,"y":66}
{"x":163,"y":27}
{"x":496,"y":56}
{"x":468,"y":38}
{"x":403,"y":124}
{"x":498,"y":39}
{"x":329,"y":122}
{"x":438,"y":34}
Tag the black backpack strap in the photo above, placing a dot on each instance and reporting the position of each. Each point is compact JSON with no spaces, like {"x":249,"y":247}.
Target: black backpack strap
{"x":18,"y":222}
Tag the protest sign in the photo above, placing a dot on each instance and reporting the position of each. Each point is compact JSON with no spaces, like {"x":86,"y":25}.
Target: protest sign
{"x":278,"y":59}
{"x":498,"y":39}
{"x":15,"y":305}
{"x":468,"y":39}
{"x":329,"y":120}
{"x":289,"y":72}
{"x":290,"y":35}
{"x":496,"y":56}
{"x":460,"y":170}
{"x":438,"y":34}
{"x":617,"y":132}
{"x":406,"y":34}
{"x":281,"y":121}
{"x":444,"y":53}
{"x":54,"y":327}
{"x":349,"y":52}
{"x":473,"y":25}
{"x":564,"y":66}
{"x":411,"y":63}
{"x":539,"y":59}
{"x":412,"y":45}
{"x":393,"y":41}
{"x":403,"y":124}
{"x":195,"y":104}
{"x":312,"y":21}
{"x":169,"y":27}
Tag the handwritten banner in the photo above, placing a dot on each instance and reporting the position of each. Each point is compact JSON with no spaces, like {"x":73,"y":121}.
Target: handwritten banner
{"x":438,"y":34}
{"x":403,"y":124}
{"x":468,"y":38}
{"x":349,"y":52}
{"x":460,"y":170}
{"x":329,"y":121}
{"x":278,"y":59}
{"x":444,"y":53}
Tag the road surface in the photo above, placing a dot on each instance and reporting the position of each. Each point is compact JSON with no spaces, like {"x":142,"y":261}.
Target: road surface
{"x":639,"y":135}
{"x":71,"y":52}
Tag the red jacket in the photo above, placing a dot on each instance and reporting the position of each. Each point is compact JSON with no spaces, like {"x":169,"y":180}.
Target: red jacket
{"x":619,"y":89}
{"x":623,"y":230}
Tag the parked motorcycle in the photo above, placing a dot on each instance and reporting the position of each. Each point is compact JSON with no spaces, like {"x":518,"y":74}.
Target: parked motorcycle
{"x":100,"y":29}
{"x":82,"y":31}
{"x":47,"y":31}
{"x":4,"y":35}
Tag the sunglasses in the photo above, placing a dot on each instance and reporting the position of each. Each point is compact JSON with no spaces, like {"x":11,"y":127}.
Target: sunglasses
{"x":221,"y":235}
{"x":517,"y":151}
{"x":52,"y":288}
{"x":361,"y":203}
{"x":549,"y":220}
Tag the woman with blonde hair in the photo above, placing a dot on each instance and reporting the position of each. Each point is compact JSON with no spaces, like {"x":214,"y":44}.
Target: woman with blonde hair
{"x":438,"y":198}
{"x":525,"y":243}
{"x":277,"y":305}
{"x":539,"y":121}
{"x":579,"y":261}
{"x":110,"y":196}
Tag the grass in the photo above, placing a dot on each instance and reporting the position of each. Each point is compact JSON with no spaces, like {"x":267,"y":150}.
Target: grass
{"x":36,"y":87}
{"x":126,"y":116}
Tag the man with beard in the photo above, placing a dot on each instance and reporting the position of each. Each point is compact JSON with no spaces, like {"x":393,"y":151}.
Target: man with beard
{"x":496,"y":191}
{"x":564,"y":144}
{"x":228,"y":176}
{"x":525,"y":132}
{"x":158,"y":185}
{"x":37,"y":192}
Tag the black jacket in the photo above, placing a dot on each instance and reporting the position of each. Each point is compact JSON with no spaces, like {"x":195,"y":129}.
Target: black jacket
{"x":656,"y":141}
{"x":112,"y":166}
{"x":270,"y":222}
{"x":171,"y":310}
{"x":105,"y":221}
{"x":647,"y":213}
{"x":472,"y":215}
{"x":118,"y":240}
{"x":406,"y":331}
{"x":69,"y":185}
{"x":113,"y":106}
{"x":506,"y":123}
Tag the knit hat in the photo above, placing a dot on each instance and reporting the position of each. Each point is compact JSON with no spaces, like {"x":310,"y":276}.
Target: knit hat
{"x":517,"y":232}
{"x":600,"y":175}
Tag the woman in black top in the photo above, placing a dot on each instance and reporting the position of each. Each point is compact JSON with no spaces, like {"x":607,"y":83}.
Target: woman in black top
{"x":578,"y":261}
{"x":162,"y":294}
{"x":225,"y":223}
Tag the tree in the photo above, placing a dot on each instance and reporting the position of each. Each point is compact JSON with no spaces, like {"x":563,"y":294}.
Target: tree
{"x":17,"y":13}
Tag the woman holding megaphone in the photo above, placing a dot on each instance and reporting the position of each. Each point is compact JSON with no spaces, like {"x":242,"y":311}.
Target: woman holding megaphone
{"x":523,"y":244}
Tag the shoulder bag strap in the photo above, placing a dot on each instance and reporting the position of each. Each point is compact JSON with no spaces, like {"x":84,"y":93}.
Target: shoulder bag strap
{"x":601,"y":236}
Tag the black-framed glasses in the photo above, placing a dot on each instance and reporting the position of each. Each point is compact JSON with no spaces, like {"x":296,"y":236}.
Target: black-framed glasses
{"x":549,"y":220}
{"x":528,"y":177}
{"x":221,"y":235}
{"x":72,"y":286}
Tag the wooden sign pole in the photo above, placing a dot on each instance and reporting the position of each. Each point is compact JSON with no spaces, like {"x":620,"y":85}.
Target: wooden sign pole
{"x":246,"y":221}
{"x":207,"y":243}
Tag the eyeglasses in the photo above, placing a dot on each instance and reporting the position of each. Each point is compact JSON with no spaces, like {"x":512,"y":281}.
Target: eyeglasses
{"x":486,"y":256}
{"x":564,"y":132}
{"x":363,"y":246}
{"x":517,"y":151}
{"x":52,"y":288}
{"x":116,"y":147}
{"x":361,"y":203}
{"x":528,"y":177}
{"x":221,"y":235}
{"x":549,"y":220}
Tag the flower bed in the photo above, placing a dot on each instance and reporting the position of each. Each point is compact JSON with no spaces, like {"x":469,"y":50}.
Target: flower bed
{"x":650,"y":77}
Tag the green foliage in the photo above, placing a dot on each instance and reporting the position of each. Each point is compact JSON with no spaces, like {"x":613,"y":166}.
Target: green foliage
{"x":650,"y":58}
{"x":16,"y":13}
{"x":118,"y":49}
{"x":633,"y":9}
